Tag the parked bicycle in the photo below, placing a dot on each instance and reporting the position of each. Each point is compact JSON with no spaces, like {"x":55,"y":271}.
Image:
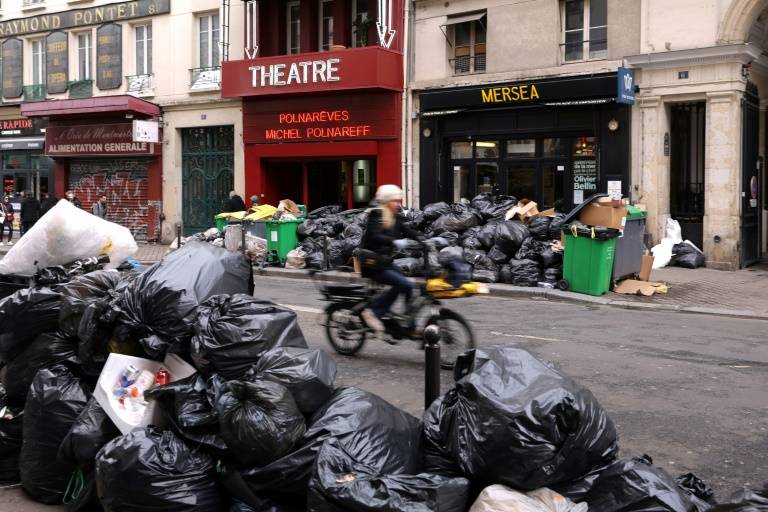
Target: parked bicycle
{"x":347,"y":332}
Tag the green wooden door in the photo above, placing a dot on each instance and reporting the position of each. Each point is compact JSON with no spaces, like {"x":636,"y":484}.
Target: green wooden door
{"x":207,"y":174}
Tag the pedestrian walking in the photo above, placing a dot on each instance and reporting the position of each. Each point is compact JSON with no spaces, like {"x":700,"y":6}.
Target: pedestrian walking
{"x":6,"y":212}
{"x":72,"y":198}
{"x":99,"y":208}
{"x":254,"y":199}
{"x":30,"y":211}
{"x":235,"y":203}
{"x":48,"y":202}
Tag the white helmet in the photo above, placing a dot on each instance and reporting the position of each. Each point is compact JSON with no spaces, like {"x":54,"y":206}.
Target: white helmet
{"x":386,"y":193}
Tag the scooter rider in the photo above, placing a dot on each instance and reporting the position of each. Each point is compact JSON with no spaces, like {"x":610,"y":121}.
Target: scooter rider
{"x":386,"y":227}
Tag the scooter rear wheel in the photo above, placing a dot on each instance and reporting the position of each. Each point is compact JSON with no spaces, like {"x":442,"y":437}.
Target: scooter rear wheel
{"x":345,"y":330}
{"x":456,"y":337}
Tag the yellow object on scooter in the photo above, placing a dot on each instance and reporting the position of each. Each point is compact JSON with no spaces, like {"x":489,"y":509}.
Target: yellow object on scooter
{"x":442,"y":289}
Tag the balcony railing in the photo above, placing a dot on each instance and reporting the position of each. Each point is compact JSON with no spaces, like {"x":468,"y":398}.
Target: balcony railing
{"x":468,"y":64}
{"x":80,"y":89}
{"x":30,"y":3}
{"x":205,"y":78}
{"x":140,"y":84}
{"x":36,"y":92}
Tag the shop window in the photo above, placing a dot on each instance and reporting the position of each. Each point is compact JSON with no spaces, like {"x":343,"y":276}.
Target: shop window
{"x":585,"y":146}
{"x":521,"y":147}
{"x":38,"y":61}
{"x":360,"y":23}
{"x":460,"y":182}
{"x":208,"y":40}
{"x":521,"y":180}
{"x":325,"y":10}
{"x":84,"y":56}
{"x":293,"y":28}
{"x":461,"y":150}
{"x":585,"y":29}
{"x":469,"y":45}
{"x":143,"y":35}
{"x":487,"y":176}
{"x":552,"y":148}
{"x":485,"y":149}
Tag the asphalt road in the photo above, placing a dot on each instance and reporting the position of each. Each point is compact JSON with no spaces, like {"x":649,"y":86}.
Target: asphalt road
{"x":689,"y":390}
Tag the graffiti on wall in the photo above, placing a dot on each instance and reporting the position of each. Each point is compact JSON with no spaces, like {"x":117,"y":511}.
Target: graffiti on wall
{"x":125,"y":184}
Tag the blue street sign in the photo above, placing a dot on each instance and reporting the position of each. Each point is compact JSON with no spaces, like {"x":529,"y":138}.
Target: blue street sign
{"x":626,"y":86}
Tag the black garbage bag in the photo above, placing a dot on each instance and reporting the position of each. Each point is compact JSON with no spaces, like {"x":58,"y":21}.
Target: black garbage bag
{"x":348,"y":247}
{"x":555,"y":226}
{"x":513,"y":407}
{"x":96,"y":326}
{"x":498,"y":256}
{"x":309,"y":375}
{"x":438,"y":242}
{"x":11,"y":423}
{"x":337,"y":253}
{"x":479,"y":259}
{"x":232,"y":331}
{"x":510,"y":236}
{"x":481,"y":201}
{"x":521,"y":273}
{"x":539,"y":227}
{"x":594,"y":232}
{"x":189,"y":405}
{"x":530,"y":249}
{"x":341,"y":483}
{"x":485,"y":275}
{"x":452,"y":238}
{"x":487,"y":234}
{"x":353,"y":230}
{"x":435,"y":210}
{"x":686,"y":255}
{"x":82,"y":291}
{"x":553,"y":275}
{"x":55,"y":400}
{"x":437,"y":457}
{"x":259,"y":421}
{"x":159,"y":308}
{"x":499,"y":208}
{"x":549,"y":258}
{"x":324,"y":211}
{"x":472,"y":243}
{"x":414,"y":218}
{"x":45,"y":351}
{"x":91,"y":430}
{"x":697,"y":487}
{"x":147,"y":469}
{"x":745,"y":501}
{"x":314,"y":249}
{"x":409,"y":249}
{"x":636,"y":485}
{"x":459,"y":219}
{"x":409,"y":266}
{"x":24,"y":315}
{"x":376,"y":432}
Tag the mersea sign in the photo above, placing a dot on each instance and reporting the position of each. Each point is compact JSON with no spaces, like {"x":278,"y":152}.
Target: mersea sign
{"x":84,"y":17}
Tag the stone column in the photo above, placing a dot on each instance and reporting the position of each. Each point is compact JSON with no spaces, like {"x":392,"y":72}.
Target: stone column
{"x":722,"y":177}
{"x":654,"y":165}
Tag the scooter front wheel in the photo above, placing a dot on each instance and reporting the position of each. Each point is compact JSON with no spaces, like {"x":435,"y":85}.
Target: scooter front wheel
{"x":345,"y":329}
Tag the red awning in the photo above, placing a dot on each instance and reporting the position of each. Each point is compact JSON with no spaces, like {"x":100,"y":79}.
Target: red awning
{"x":123,"y":104}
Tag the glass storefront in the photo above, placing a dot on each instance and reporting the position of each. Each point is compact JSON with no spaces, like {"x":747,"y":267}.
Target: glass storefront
{"x":23,"y":170}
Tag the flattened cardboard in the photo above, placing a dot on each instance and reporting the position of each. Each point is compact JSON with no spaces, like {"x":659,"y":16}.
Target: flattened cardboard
{"x":634,"y":287}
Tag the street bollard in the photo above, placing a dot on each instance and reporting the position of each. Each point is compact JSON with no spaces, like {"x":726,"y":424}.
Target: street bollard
{"x":178,"y":235}
{"x":326,"y":264}
{"x":431,"y":364}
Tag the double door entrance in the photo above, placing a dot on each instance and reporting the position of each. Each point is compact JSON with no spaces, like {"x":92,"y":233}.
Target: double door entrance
{"x":555,"y":172}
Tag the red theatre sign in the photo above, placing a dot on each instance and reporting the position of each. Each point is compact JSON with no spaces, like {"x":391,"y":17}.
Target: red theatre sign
{"x":94,"y":140}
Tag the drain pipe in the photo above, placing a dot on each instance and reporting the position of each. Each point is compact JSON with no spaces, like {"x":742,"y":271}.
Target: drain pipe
{"x":406,"y":146}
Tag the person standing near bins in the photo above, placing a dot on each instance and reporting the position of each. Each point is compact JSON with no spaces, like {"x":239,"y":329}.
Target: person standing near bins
{"x":235,"y":203}
{"x":99,"y":208}
{"x":49,"y":201}
{"x":254,"y":199}
{"x":6,"y":210}
{"x":385,"y":228}
{"x":72,"y":198}
{"x":30,"y":212}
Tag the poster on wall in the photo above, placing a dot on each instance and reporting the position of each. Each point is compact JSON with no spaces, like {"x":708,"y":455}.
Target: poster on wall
{"x":56,"y":62}
{"x":584,"y":179}
{"x":109,"y":56}
{"x":13,"y":76}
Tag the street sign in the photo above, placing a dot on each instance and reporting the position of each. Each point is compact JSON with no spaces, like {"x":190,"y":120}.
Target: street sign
{"x":146,"y":131}
{"x":626,"y":86}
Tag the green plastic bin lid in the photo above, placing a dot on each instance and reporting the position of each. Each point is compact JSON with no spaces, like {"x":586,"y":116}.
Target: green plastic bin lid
{"x":634,"y":213}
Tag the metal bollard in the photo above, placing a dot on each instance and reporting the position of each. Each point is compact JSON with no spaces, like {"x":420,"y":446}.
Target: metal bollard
{"x":178,"y":235}
{"x":326,"y":264}
{"x":431,"y":364}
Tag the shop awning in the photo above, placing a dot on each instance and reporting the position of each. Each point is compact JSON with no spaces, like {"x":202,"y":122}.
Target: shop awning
{"x":99,"y":105}
{"x":455,"y":20}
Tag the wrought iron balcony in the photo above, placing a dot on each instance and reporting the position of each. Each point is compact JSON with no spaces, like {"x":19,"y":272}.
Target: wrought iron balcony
{"x":205,"y":78}
{"x":141,"y":85}
{"x":36,"y":92}
{"x":467,"y":64}
{"x":80,"y":89}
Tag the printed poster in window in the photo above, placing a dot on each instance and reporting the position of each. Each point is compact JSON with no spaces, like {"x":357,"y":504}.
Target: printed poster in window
{"x":584,"y":179}
{"x":13,"y":58}
{"x":109,"y":56}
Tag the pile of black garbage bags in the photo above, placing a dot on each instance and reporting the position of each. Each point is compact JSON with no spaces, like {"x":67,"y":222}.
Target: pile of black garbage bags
{"x":261,"y":426}
{"x":507,"y":251}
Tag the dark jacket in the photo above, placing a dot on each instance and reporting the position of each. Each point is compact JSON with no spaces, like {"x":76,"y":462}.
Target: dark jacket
{"x":7,"y":209}
{"x":379,"y":239}
{"x":236,"y":204}
{"x":30,"y":209}
{"x":48,"y":203}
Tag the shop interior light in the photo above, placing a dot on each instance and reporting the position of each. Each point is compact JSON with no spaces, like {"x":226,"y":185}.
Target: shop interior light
{"x":485,"y":144}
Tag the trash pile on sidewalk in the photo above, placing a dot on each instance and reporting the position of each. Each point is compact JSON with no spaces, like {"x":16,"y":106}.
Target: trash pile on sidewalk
{"x":673,"y":250}
{"x":506,"y":240}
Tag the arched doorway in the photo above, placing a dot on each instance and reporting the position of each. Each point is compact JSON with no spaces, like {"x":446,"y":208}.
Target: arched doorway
{"x":738,"y":20}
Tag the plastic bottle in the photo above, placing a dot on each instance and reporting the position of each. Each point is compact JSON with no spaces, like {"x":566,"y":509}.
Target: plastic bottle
{"x":143,"y":382}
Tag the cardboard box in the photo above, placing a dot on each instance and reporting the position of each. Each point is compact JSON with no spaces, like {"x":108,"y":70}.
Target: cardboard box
{"x":645,"y":267}
{"x":596,"y":214}
{"x":124,"y":419}
{"x":547,"y":213}
{"x":524,"y":211}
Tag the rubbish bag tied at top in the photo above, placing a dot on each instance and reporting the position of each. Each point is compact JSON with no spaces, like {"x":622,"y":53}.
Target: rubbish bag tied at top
{"x":232,"y":331}
{"x":65,"y":234}
{"x":83,"y":291}
{"x":25,"y":315}
{"x":518,"y":421}
{"x":147,"y":469}
{"x":341,"y":483}
{"x":159,"y":307}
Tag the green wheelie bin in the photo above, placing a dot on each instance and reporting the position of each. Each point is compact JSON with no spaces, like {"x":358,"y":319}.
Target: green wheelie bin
{"x":282,"y":238}
{"x":587,"y":261}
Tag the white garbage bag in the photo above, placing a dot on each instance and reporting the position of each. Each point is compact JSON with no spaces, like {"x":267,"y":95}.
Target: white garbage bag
{"x":65,"y":234}
{"x":674,"y":232}
{"x":500,"y":498}
{"x":296,"y":259}
{"x":662,"y":253}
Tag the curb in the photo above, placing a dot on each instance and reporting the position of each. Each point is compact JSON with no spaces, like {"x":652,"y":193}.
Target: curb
{"x":554,"y":295}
